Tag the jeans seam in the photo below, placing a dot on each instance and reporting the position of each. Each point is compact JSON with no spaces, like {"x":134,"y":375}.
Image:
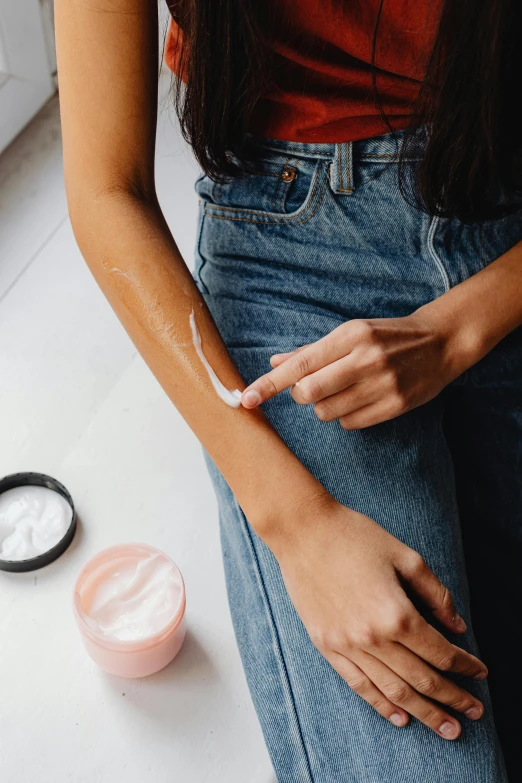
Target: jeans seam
{"x":433,"y":253}
{"x":274,"y":203}
{"x":283,"y":670}
{"x":343,"y":157}
{"x":285,"y":187}
{"x":198,"y":245}
{"x":280,"y":199}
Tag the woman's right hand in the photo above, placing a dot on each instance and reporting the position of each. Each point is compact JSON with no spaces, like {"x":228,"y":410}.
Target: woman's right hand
{"x":346,"y":577}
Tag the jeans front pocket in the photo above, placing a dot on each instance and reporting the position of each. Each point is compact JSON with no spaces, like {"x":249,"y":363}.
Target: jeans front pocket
{"x":463,"y":249}
{"x":265,"y":186}
{"x":278,"y":189}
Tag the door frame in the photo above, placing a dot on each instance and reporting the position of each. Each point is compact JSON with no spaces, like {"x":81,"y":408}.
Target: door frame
{"x":26,"y":81}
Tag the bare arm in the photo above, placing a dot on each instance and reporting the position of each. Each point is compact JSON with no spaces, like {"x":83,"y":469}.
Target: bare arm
{"x":108,"y":70}
{"x":108,"y":59}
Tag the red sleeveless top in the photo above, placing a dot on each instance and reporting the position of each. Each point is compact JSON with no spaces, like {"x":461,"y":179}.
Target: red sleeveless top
{"x":323,"y":84}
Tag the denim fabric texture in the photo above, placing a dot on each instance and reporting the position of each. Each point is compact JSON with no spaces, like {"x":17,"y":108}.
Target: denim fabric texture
{"x":316,"y":235}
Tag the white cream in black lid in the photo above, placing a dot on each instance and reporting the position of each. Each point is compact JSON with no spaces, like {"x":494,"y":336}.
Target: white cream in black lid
{"x":37,"y":521}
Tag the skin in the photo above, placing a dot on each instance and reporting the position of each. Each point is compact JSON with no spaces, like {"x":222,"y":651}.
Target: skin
{"x":107,"y":64}
{"x":369,"y":371}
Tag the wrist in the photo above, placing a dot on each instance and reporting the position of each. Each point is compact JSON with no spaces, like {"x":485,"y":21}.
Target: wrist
{"x":461,"y":334}
{"x":292,"y":506}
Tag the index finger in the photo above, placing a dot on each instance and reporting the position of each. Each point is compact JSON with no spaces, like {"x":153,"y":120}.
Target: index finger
{"x":303,"y":362}
{"x":277,"y":380}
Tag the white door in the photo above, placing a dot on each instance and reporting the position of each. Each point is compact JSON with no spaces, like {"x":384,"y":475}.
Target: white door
{"x":26,"y":65}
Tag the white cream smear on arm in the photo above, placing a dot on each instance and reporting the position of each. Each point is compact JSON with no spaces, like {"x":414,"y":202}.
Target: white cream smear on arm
{"x":232,"y":398}
{"x":32,"y":521}
{"x":133,"y":598}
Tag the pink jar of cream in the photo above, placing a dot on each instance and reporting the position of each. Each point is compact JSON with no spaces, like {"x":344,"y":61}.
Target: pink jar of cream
{"x":129,"y":604}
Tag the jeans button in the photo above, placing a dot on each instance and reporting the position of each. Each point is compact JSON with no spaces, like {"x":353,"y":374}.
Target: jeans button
{"x":288,"y":174}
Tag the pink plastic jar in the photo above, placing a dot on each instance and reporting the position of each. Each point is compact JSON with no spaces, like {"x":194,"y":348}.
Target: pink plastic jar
{"x":129,"y":657}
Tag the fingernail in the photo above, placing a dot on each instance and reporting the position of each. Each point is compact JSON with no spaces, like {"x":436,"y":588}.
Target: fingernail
{"x":250,"y":399}
{"x":449,"y":730}
{"x":397,"y":719}
{"x":481,"y":675}
{"x":459,"y":623}
{"x":474,"y":713}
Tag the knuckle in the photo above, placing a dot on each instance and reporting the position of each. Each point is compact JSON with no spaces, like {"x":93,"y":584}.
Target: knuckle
{"x":397,"y":624}
{"x":379,"y":357}
{"x":367,"y":328}
{"x":392,"y":379}
{"x":396,"y":692}
{"x":432,"y":716}
{"x":359,"y":683}
{"x":321,"y":412}
{"x":301,"y":364}
{"x":462,"y":702}
{"x":364,"y":638}
{"x":416,"y":564}
{"x":398,"y":393}
{"x":446,"y":600}
{"x":326,"y":641}
{"x":470,"y":667}
{"x":448,"y":661}
{"x":269,"y":387}
{"x":381,"y":705}
{"x":324,"y":412}
{"x":310,"y":390}
{"x":362,"y":329}
{"x":427,"y":685}
{"x":401,"y":399}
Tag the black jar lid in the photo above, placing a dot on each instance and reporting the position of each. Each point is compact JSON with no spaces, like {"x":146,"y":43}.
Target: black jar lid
{"x":39,"y":480}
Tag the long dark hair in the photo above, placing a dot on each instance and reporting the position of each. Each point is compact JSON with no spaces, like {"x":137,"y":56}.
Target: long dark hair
{"x":468,"y":101}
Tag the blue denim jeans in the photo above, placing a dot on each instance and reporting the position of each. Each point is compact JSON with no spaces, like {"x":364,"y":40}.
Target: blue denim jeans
{"x":318,"y":234}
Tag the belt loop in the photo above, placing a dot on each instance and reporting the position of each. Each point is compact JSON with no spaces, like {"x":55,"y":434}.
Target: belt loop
{"x":341,"y":169}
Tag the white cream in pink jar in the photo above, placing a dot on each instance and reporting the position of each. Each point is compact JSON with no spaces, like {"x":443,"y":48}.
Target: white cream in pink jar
{"x":129,"y":604}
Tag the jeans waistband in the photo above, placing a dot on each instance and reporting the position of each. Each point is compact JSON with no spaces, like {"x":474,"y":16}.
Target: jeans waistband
{"x":343,"y":156}
{"x":379,"y":148}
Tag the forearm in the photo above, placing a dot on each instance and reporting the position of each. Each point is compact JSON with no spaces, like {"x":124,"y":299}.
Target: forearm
{"x":132,"y":255}
{"x":478,"y":313}
{"x":108,"y":68}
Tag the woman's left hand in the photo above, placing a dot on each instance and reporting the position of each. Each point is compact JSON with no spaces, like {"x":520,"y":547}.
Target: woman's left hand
{"x":366,"y":371}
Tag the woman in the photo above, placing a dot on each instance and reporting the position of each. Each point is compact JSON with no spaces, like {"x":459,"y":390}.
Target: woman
{"x":370,"y":514}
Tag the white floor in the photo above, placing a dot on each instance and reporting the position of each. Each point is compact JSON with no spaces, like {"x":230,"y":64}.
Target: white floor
{"x":77,"y":402}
